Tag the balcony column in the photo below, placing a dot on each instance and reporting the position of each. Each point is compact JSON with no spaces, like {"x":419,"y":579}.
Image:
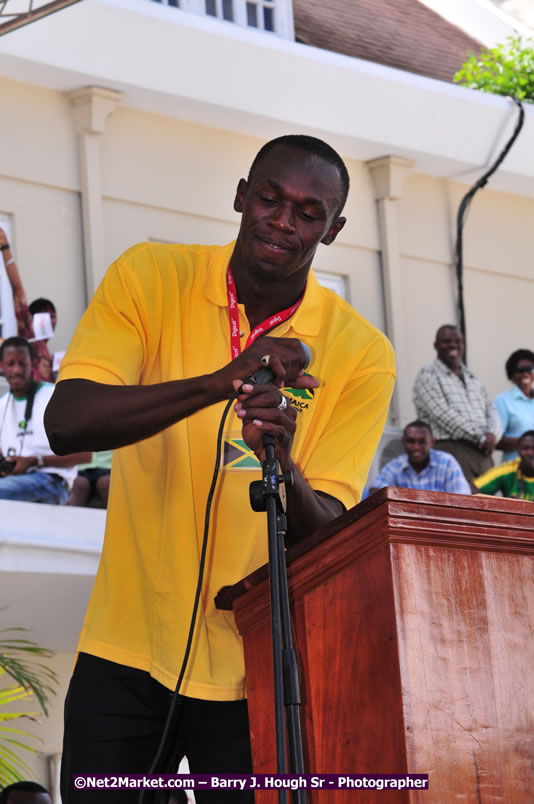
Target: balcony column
{"x":91,"y":106}
{"x":388,"y":175}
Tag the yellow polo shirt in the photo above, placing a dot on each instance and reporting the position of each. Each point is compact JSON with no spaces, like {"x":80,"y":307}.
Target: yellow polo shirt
{"x":161,"y":314}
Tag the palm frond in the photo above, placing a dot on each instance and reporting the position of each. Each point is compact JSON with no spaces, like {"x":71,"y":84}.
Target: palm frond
{"x":37,"y":677}
{"x":12,"y":767}
{"x":21,"y":660}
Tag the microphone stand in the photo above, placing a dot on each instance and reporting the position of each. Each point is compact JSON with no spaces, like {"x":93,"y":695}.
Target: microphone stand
{"x":269,"y":495}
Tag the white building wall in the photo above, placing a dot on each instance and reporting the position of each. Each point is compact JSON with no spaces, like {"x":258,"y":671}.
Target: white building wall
{"x":39,"y":190}
{"x":166,"y":179}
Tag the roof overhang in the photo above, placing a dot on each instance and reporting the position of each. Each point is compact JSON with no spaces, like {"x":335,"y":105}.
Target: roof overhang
{"x":204,"y":71}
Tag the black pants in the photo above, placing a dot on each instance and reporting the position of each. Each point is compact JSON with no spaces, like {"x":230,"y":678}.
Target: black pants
{"x":114,"y":719}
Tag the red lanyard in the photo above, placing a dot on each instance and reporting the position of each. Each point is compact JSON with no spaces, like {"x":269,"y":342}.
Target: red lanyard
{"x":265,"y":326}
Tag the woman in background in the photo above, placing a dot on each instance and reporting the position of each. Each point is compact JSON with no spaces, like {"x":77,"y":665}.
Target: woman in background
{"x":516,"y":406}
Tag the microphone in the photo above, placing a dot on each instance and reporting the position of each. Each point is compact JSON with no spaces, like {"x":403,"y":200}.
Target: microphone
{"x":266,"y":374}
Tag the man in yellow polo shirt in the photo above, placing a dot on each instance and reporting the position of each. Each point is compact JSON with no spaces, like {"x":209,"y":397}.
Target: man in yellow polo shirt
{"x":171,"y":332}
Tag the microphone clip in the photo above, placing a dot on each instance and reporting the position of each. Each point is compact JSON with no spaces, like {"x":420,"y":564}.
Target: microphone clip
{"x":273,"y":482}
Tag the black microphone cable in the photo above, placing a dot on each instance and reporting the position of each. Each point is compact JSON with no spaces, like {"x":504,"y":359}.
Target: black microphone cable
{"x":175,"y":697}
{"x":462,"y":209}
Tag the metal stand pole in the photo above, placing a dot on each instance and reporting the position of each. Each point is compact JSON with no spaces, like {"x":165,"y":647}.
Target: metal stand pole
{"x":269,"y":495}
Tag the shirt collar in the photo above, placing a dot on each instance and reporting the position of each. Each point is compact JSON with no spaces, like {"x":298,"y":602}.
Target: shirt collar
{"x":305,"y":321}
{"x":215,"y":281}
{"x":407,"y":465}
{"x":446,"y":370}
{"x":517,"y":393}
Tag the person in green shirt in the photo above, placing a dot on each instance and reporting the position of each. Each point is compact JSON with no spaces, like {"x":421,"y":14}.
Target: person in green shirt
{"x":514,"y":478}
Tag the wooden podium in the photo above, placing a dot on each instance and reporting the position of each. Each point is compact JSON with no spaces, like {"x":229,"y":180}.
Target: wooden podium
{"x":413,"y":620}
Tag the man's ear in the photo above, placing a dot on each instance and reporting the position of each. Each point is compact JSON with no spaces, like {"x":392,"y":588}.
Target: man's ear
{"x":334,"y":230}
{"x":240,"y":193}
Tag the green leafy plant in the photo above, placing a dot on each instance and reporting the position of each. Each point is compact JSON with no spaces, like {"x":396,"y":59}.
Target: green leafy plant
{"x":506,"y":69}
{"x":20,"y":661}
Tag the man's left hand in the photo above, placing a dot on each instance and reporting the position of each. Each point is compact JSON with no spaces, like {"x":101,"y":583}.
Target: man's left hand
{"x":258,"y":406}
{"x":489,"y":444}
{"x":22,"y":464}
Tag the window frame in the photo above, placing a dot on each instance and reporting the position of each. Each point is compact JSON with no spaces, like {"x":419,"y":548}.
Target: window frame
{"x":282,"y":14}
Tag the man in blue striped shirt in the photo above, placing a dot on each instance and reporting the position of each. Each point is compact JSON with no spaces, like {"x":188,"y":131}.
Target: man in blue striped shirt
{"x":422,"y":467}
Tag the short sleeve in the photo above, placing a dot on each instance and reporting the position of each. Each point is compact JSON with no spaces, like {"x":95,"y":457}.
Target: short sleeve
{"x":117,"y":317}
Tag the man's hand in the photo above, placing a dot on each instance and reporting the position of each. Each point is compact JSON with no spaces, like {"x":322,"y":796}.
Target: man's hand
{"x":488,"y":444}
{"x":3,"y":238}
{"x":22,"y":464}
{"x":286,"y":359}
{"x":3,"y":460}
{"x":258,"y":408}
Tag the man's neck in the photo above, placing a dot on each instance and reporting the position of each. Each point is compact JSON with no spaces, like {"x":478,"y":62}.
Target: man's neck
{"x":456,"y":368}
{"x":20,"y":394}
{"x":418,"y":467}
{"x":263,"y":299}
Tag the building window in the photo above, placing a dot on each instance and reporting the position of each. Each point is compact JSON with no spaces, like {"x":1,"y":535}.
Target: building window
{"x":272,"y":16}
{"x":222,"y":9}
{"x":332,"y":282}
{"x":261,"y":15}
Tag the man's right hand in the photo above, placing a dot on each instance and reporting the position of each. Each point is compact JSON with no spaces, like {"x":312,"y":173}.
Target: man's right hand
{"x":3,"y":238}
{"x":287,"y":360}
{"x":3,"y":461}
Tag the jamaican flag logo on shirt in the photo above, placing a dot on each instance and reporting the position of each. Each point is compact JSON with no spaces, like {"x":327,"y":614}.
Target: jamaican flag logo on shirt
{"x":300,"y":398}
{"x":238,"y":455}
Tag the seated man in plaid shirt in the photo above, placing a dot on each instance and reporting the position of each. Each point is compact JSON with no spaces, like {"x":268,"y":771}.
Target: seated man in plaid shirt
{"x":422,"y":467}
{"x":456,"y":405}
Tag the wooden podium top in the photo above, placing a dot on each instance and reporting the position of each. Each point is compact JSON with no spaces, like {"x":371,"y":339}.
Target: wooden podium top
{"x":408,"y":516}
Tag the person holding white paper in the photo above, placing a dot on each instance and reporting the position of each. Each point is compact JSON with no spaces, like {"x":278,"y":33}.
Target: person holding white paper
{"x":41,"y":358}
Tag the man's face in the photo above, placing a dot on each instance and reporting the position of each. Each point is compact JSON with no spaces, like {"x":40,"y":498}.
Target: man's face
{"x":526,"y":453}
{"x":417,"y":442}
{"x":289,"y":206}
{"x":17,"y":368}
{"x":449,"y":345}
